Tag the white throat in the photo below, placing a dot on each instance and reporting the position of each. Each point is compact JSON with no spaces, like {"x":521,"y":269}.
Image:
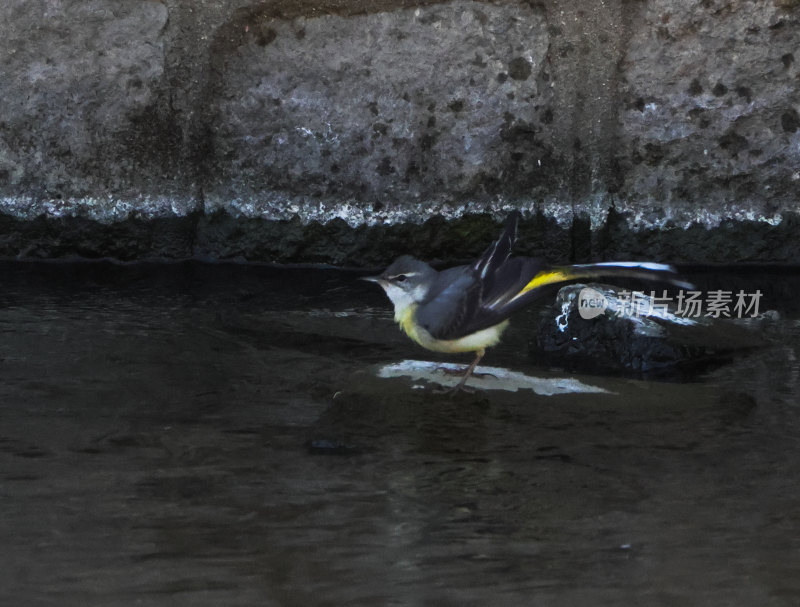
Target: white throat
{"x":403,"y":299}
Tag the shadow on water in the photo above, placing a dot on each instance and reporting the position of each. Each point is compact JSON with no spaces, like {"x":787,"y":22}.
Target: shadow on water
{"x":216,"y":435}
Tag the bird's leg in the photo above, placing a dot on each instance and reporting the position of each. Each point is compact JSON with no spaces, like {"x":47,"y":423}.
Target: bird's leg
{"x":478,"y":356}
{"x":466,"y":373}
{"x":460,"y":385}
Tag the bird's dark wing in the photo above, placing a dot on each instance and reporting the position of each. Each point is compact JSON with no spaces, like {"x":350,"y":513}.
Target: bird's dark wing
{"x":456,"y":304}
{"x":470,"y":298}
{"x":464,"y":301}
{"x":521,"y":281}
{"x":498,"y":252}
{"x":451,"y":304}
{"x":500,"y":292}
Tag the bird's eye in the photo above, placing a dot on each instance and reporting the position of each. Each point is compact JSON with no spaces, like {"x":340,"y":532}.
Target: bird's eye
{"x":400,"y":278}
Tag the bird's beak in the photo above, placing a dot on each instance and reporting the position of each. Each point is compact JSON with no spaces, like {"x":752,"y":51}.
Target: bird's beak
{"x":379,"y":280}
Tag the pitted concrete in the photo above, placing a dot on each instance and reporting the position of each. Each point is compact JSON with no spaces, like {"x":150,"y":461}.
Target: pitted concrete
{"x":243,"y":129}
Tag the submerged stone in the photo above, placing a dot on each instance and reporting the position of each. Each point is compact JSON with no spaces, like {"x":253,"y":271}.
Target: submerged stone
{"x":485,"y":378}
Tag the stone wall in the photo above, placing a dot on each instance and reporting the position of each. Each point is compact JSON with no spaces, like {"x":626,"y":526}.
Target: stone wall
{"x":349,"y":131}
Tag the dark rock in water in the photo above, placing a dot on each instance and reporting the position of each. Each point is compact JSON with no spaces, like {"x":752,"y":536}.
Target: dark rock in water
{"x":601,"y":328}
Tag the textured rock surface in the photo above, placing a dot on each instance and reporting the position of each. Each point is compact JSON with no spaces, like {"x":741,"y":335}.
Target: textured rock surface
{"x":396,"y":107}
{"x":326,"y":130}
{"x":711,"y":111}
{"x":81,"y":81}
{"x":641,"y":342}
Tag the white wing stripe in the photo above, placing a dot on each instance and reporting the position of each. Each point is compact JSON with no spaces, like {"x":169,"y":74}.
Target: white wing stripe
{"x":644,"y":265}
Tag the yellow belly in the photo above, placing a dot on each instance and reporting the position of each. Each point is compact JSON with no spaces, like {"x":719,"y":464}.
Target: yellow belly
{"x":485,"y":338}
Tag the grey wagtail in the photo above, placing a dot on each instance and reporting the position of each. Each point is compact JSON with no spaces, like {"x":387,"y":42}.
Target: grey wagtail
{"x":466,"y":308}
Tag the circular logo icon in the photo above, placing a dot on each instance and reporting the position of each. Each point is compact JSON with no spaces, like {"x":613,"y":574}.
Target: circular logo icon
{"x":591,"y":303}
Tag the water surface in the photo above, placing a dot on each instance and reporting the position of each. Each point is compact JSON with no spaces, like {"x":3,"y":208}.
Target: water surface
{"x":195,"y":434}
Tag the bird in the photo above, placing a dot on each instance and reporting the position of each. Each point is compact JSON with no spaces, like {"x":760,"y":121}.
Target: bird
{"x":467,"y":308}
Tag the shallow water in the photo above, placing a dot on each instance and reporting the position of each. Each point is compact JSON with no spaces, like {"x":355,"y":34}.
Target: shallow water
{"x":199,"y":435}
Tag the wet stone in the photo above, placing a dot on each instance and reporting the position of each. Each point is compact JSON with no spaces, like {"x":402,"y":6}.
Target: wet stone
{"x":611,"y":337}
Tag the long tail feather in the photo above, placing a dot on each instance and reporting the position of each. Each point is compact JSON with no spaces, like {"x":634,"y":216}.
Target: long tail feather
{"x":643,"y":270}
{"x":613,"y":269}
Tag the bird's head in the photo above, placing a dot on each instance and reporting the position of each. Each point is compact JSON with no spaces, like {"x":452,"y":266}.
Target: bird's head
{"x":406,"y":282}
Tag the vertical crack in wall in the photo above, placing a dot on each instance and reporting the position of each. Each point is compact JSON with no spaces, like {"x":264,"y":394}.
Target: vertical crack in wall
{"x":587,"y":41}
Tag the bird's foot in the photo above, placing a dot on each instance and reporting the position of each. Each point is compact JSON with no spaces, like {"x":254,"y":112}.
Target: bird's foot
{"x":451,"y":371}
{"x":459,"y":387}
{"x":466,"y":374}
{"x":455,"y":390}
